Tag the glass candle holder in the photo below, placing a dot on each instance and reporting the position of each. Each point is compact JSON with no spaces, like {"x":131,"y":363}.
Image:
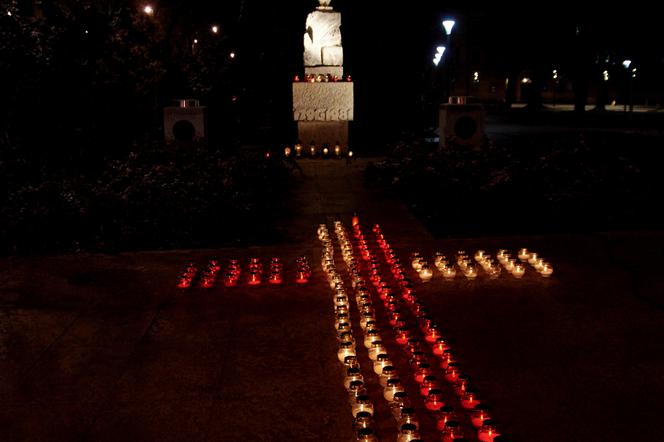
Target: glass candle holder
{"x":487,"y":431}
{"x":469,"y":399}
{"x":452,"y":372}
{"x":426,"y":273}
{"x":345,"y":349}
{"x":447,"y":358}
{"x":462,"y":384}
{"x":399,"y":402}
{"x":470,"y":272}
{"x":363,"y":419}
{"x":366,"y":435}
{"x":443,"y":415}
{"x":355,"y":389}
{"x":352,"y":374}
{"x":546,"y":270}
{"x":351,"y":361}
{"x":524,"y":254}
{"x":371,"y":336}
{"x":449,"y":273}
{"x":452,"y":431}
{"x":362,"y":403}
{"x":346,"y":336}
{"x":480,"y":255}
{"x":382,"y":360}
{"x":367,"y":317}
{"x":440,"y":346}
{"x":480,"y":414}
{"x":393,"y":386}
{"x":428,"y":383}
{"x":389,"y":371}
{"x":518,"y":270}
{"x":422,"y":371}
{"x":532,"y":259}
{"x":376,"y":349}
{"x":402,"y":335}
{"x":434,"y":399}
{"x":407,"y":433}
{"x":408,"y":416}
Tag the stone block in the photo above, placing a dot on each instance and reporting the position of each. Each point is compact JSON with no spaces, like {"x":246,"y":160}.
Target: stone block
{"x":329,"y":132}
{"x":332,"y":70}
{"x":333,"y":56}
{"x":323,"y":101}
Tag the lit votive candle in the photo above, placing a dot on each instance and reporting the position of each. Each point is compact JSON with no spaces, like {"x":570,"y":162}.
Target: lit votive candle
{"x":407,"y":415}
{"x":518,"y":271}
{"x":393,"y":386}
{"x":383,"y":360}
{"x":524,"y":254}
{"x":452,"y":431}
{"x":533,"y":258}
{"x":480,"y":255}
{"x":470,"y":272}
{"x":487,"y":431}
{"x":408,"y":432}
{"x":434,"y":400}
{"x":452,"y":372}
{"x":480,"y":414}
{"x":362,"y":403}
{"x":546,"y":270}
{"x":376,"y":349}
{"x":352,"y":374}
{"x":428,"y":383}
{"x":345,"y":349}
{"x":388,"y":372}
{"x":443,"y":415}
{"x":370,"y":336}
{"x":449,"y":273}
{"x":366,"y":435}
{"x":423,"y":370}
{"x":426,"y":273}
{"x":440,"y":346}
{"x":469,"y":399}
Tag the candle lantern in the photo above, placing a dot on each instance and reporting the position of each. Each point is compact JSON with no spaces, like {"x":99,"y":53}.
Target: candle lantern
{"x":399,"y":402}
{"x":546,"y":270}
{"x":469,"y":399}
{"x":376,"y":349}
{"x":362,"y":403}
{"x":480,"y":414}
{"x":434,"y":399}
{"x":407,"y":415}
{"x":452,"y":371}
{"x":425,"y":273}
{"x":408,"y":432}
{"x":366,"y":435}
{"x":370,"y":336}
{"x":449,"y":272}
{"x":382,"y":360}
{"x":363,"y":419}
{"x":345,"y":349}
{"x":355,"y":389}
{"x":428,"y":383}
{"x":422,"y":371}
{"x":452,"y":431}
{"x":440,"y":346}
{"x":461,"y":385}
{"x":524,"y":254}
{"x":443,"y":415}
{"x":487,"y":431}
{"x":518,"y":270}
{"x":388,"y":372}
{"x":393,"y":386}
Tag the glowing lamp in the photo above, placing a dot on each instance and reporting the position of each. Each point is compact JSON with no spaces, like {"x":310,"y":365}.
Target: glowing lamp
{"x":434,"y":400}
{"x":487,"y":431}
{"x":480,"y":414}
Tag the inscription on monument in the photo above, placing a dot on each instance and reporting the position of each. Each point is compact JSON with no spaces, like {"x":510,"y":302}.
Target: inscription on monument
{"x":345,"y":114}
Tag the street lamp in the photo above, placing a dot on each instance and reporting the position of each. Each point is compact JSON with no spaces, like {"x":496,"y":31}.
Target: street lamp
{"x":148,"y":10}
{"x":215,"y":29}
{"x":440,"y":50}
{"x":630,"y":75}
{"x":448,"y":24}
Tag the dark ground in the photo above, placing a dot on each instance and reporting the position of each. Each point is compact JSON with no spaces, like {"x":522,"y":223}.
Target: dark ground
{"x":104,"y":347}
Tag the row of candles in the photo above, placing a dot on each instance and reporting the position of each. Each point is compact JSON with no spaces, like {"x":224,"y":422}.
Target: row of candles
{"x":209,"y":276}
{"x":492,"y":268}
{"x":440,"y":349}
{"x":449,"y":427}
{"x":322,"y":78}
{"x":326,"y":152}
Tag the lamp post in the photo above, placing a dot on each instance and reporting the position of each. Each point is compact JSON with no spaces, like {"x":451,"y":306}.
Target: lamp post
{"x":448,"y":25}
{"x":626,"y":64}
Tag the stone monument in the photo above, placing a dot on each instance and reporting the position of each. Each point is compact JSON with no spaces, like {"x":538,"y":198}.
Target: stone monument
{"x":323,"y":99}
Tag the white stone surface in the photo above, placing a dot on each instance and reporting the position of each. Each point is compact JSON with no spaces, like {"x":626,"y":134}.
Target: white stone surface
{"x":323,"y":101}
{"x":323,"y":30}
{"x":332,"y":70}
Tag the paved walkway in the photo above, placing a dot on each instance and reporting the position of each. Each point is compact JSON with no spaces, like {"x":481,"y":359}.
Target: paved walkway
{"x":98,"y":347}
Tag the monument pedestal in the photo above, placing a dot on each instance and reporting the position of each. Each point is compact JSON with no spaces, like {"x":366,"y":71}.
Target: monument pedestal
{"x":323,"y":111}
